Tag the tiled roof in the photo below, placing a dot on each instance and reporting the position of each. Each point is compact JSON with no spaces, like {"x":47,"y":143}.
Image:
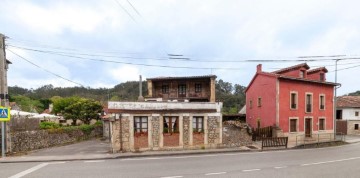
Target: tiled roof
{"x":183,"y":77}
{"x":317,"y":69}
{"x":308,"y":80}
{"x":291,"y":67}
{"x":348,"y":102}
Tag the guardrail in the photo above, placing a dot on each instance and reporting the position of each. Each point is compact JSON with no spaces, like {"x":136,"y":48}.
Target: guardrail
{"x":319,"y":138}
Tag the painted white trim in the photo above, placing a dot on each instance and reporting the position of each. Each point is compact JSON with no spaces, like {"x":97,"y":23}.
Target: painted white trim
{"x":322,"y":94}
{"x":296,"y":100}
{"x":312,"y":102}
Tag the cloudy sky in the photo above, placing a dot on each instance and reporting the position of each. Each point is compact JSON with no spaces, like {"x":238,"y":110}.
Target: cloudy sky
{"x":102,"y":43}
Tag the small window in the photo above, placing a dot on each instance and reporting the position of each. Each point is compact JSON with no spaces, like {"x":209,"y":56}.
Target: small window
{"x":182,"y":90}
{"x":197,"y":88}
{"x":171,"y":124}
{"x":322,"y":77}
{"x":356,"y":113}
{"x":322,"y":102}
{"x":293,"y":125}
{"x":198,"y":124}
{"x":140,"y":124}
{"x":321,"y":124}
{"x":165,"y":89}
{"x":356,"y":126}
{"x":293,"y":100}
{"x":308,"y":102}
{"x":259,"y":102}
{"x":250,"y":103}
{"x":302,"y":74}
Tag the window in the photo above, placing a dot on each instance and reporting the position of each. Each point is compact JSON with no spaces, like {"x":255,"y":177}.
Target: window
{"x":198,"y":124}
{"x":322,"y":77}
{"x":308,"y":103}
{"x":293,"y":125}
{"x":182,"y":90}
{"x":140,"y":124}
{"x":259,"y":102}
{"x":250,"y":103}
{"x":356,"y":126}
{"x":322,"y":124}
{"x":322,"y":102}
{"x":302,"y":74}
{"x":356,"y":113}
{"x":339,"y":114}
{"x":165,"y":89}
{"x":293,"y":100}
{"x":197,"y":88}
{"x":171,"y":124}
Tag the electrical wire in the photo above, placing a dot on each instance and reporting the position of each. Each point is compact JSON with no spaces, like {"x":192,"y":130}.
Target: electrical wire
{"x":52,"y":73}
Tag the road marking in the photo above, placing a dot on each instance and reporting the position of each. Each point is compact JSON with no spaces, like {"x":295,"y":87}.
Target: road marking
{"x":215,"y":173}
{"x":94,"y":161}
{"x":280,"y":167}
{"x":333,"y":161}
{"x":28,"y":171}
{"x":250,"y":170}
{"x":172,"y":177}
{"x":60,"y":162}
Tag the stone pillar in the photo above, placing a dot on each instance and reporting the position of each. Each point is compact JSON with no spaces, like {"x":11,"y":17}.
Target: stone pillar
{"x":181,"y":131}
{"x":131,"y":133}
{"x":155,"y":126}
{"x":187,"y":131}
{"x":150,"y":88}
{"x":191,"y":137}
{"x":206,"y":133}
{"x":150,"y":131}
{"x":161,"y":123}
{"x":212,"y":89}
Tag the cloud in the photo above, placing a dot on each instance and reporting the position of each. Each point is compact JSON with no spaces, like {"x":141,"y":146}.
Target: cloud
{"x":124,"y":73}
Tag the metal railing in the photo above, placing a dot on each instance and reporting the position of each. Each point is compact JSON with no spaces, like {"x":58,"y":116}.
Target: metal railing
{"x":318,"y":138}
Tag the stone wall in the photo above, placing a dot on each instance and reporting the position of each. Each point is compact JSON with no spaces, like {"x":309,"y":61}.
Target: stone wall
{"x":213,"y":129}
{"x":125,"y":129}
{"x":155,"y":131}
{"x":186,"y":130}
{"x":37,"y":139}
{"x":351,"y":127}
{"x":235,"y":134}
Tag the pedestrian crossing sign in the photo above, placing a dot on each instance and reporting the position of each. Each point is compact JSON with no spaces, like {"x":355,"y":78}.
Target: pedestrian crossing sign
{"x":4,"y":114}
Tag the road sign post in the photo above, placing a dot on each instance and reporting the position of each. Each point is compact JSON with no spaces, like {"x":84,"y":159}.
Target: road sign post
{"x":4,"y":116}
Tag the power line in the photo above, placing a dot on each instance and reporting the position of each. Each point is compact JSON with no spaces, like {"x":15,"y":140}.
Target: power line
{"x":57,"y":75}
{"x":122,"y":7}
{"x":134,"y":8}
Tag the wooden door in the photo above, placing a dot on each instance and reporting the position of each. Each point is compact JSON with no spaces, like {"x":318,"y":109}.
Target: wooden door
{"x":308,"y":127}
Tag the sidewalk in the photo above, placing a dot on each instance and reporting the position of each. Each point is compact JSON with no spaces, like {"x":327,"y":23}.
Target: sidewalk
{"x":99,"y":150}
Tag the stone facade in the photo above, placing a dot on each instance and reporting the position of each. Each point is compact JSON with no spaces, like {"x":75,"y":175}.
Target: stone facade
{"x":213,"y":127}
{"x":235,"y":134}
{"x":186,"y":131}
{"x":155,"y":122}
{"x":38,"y":139}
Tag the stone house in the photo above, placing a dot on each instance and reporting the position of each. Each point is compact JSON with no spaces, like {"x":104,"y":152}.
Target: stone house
{"x":172,"y":117}
{"x":296,"y":100}
{"x":348,"y":115}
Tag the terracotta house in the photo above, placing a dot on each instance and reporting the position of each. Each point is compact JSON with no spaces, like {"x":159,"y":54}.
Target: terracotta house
{"x":296,"y":100}
{"x":179,"y":113}
{"x":348,"y":115}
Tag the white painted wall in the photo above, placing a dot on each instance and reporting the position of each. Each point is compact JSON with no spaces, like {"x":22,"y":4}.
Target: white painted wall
{"x":349,"y":114}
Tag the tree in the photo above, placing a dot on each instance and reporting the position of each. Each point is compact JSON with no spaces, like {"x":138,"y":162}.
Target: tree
{"x":27,"y":104}
{"x":59,"y":103}
{"x":84,"y":110}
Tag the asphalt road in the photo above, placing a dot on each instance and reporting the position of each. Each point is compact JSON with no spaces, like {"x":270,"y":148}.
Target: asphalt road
{"x":343,"y":161}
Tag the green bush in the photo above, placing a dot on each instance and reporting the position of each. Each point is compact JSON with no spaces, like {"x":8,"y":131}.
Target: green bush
{"x":49,"y":125}
{"x":86,"y":128}
{"x":98,"y":123}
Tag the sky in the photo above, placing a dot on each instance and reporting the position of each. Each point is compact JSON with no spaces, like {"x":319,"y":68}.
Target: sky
{"x":101,"y":43}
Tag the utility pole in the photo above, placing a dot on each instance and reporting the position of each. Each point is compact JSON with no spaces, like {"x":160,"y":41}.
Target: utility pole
{"x":5,"y":129}
{"x":335,"y":97}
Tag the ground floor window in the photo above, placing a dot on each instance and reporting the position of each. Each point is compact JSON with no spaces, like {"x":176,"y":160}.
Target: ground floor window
{"x":293,"y":125}
{"x":322,"y":124}
{"x":198,"y":124}
{"x":171,"y":124}
{"x":356,"y":126}
{"x":140,"y":124}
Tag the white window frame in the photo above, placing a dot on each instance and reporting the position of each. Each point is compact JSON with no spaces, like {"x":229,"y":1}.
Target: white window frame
{"x":320,"y":101}
{"x":312,"y":102}
{"x":296,"y":100}
{"x":297,"y":124}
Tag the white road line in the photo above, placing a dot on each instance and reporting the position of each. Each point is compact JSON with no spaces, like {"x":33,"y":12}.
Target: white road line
{"x":250,"y":170}
{"x":333,"y":161}
{"x":28,"y":171}
{"x":215,"y":173}
{"x":94,"y":161}
{"x":280,"y":167}
{"x":60,"y":162}
{"x":172,"y":177}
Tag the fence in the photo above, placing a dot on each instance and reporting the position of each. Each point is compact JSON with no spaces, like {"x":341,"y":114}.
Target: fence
{"x":274,"y":142}
{"x":319,"y":138}
{"x":259,"y":133}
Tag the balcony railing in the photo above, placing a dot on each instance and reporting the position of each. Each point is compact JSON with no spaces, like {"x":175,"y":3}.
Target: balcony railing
{"x":308,"y":108}
{"x":322,"y":106}
{"x":293,"y":106}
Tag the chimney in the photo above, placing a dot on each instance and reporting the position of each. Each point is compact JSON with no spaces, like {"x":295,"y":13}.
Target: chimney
{"x":140,"y":98}
{"x":258,"y":68}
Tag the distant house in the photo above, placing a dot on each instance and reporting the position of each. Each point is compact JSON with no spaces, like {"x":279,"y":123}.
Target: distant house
{"x":296,"y":100}
{"x":179,"y":113}
{"x":348,"y":114}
